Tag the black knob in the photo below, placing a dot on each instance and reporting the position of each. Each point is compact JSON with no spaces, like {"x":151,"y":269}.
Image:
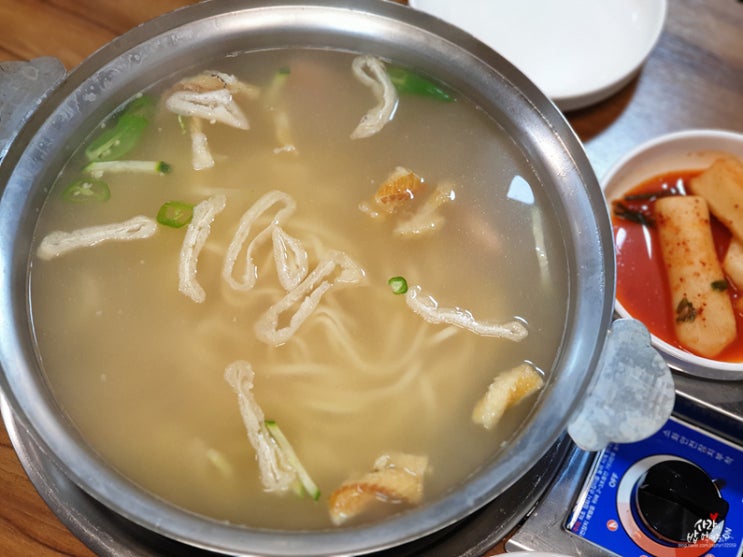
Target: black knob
{"x":678,"y":502}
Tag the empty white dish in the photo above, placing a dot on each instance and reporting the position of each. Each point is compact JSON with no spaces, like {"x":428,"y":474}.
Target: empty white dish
{"x":578,"y":52}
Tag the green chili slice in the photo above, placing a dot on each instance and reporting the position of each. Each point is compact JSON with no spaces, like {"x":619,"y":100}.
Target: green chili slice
{"x":175,"y":214}
{"x":399,"y":285}
{"x":87,"y":190}
{"x":115,"y":142}
{"x":142,"y":105}
{"x":651,"y":195}
{"x":406,"y":81}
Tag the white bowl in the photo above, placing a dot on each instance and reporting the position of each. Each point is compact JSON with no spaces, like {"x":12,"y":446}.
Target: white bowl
{"x":686,"y":150}
{"x":578,"y":52}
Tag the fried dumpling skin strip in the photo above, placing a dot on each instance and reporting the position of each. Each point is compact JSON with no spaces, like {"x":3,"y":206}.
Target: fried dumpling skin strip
{"x":276,"y":472}
{"x":250,"y":274}
{"x":704,"y":321}
{"x":507,"y":389}
{"x":370,"y":71}
{"x":394,"y":478}
{"x":193,"y":241}
{"x":427,"y":307}
{"x":59,"y":243}
{"x":307,"y":296}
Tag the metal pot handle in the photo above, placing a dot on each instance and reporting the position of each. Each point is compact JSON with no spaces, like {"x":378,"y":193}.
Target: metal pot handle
{"x":632,"y":395}
{"x":23,"y":85}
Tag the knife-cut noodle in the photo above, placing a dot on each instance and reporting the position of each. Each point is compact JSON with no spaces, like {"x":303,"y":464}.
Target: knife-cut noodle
{"x":240,"y":239}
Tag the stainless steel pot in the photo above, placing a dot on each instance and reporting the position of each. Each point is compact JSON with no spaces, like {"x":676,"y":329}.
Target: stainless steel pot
{"x":202,"y":32}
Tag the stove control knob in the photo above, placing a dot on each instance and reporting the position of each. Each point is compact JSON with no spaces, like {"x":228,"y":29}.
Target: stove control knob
{"x":678,"y":503}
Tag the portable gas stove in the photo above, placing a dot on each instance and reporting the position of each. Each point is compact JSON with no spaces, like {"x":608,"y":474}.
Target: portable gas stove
{"x":676,"y":494}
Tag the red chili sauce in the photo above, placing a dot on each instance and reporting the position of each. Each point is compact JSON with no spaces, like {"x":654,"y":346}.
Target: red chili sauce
{"x":642,"y":284}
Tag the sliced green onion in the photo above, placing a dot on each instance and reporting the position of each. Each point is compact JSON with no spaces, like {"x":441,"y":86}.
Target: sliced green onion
{"x":307,"y":484}
{"x":86,"y":190}
{"x":220,"y":462}
{"x":113,"y":143}
{"x":399,"y":285}
{"x":142,"y":105}
{"x":720,"y":285}
{"x":175,"y":214}
{"x":651,"y":195}
{"x":622,"y":211}
{"x":99,"y":168}
{"x":406,"y":81}
{"x":685,"y":311}
{"x":277,"y":83}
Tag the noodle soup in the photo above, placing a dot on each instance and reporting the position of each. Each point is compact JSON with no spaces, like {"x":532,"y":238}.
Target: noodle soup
{"x":138,"y":361}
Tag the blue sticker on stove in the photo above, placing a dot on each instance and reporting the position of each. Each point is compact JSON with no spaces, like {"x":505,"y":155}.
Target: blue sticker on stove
{"x":677,"y":494}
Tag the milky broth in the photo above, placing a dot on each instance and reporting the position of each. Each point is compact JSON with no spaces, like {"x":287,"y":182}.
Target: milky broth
{"x":139,"y":367}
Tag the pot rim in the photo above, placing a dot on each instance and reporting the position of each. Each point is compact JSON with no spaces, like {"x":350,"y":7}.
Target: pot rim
{"x":101,"y":82}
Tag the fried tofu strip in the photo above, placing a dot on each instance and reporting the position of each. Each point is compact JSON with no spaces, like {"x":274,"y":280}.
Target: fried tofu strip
{"x":370,"y":71}
{"x":286,"y":207}
{"x":193,"y":241}
{"x":335,"y":270}
{"x":394,"y":478}
{"x":59,"y":243}
{"x":507,"y":389}
{"x":703,"y":315}
{"x":428,"y":308}
{"x":209,"y":96}
{"x":721,"y":185}
{"x":201,"y":155}
{"x":276,"y":472}
{"x":290,"y":257}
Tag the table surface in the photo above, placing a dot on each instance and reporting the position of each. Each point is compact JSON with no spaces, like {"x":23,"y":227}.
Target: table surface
{"x":692,"y":79}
